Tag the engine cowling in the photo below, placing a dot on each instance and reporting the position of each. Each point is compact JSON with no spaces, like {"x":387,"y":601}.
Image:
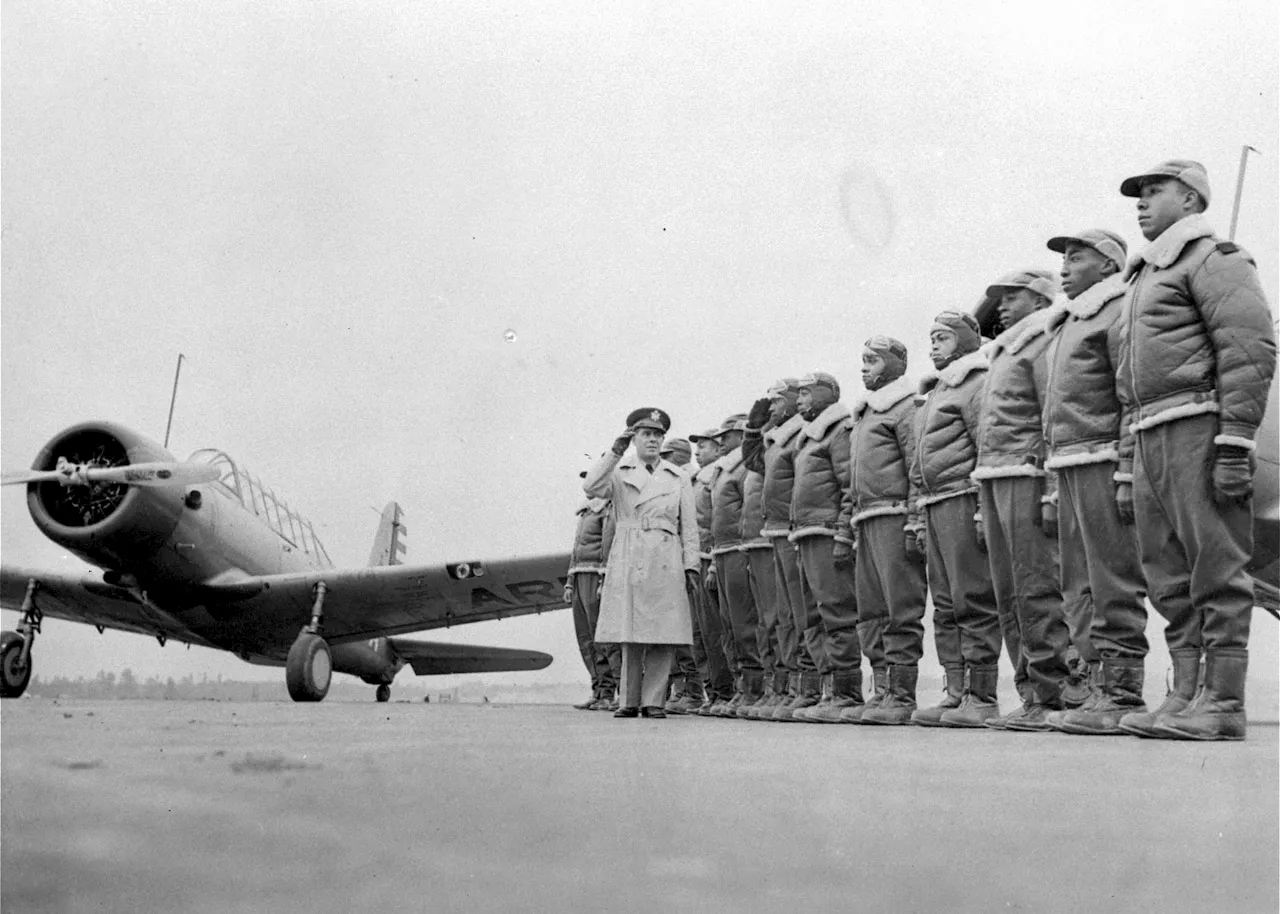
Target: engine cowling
{"x":109,"y":525}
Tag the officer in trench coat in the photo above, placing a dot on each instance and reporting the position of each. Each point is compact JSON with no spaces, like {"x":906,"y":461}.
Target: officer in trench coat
{"x":644,"y":605}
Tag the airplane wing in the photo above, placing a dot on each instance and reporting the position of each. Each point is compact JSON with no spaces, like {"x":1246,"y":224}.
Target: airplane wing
{"x":360,"y":603}
{"x":436,"y":658}
{"x":83,"y":596}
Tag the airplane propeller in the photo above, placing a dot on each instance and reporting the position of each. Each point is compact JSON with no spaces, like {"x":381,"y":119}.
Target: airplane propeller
{"x":154,"y":474}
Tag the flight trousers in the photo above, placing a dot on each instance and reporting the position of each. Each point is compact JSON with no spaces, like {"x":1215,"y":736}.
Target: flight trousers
{"x":775,"y":626}
{"x":719,"y":681}
{"x":966,"y":622}
{"x":837,"y":605}
{"x":795,"y":600}
{"x":603,"y":661}
{"x":738,"y":609}
{"x":1024,"y":572}
{"x":1194,"y":552}
{"x":1100,"y":556}
{"x":891,"y":592}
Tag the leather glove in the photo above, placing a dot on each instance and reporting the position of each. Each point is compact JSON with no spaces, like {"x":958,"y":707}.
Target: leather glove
{"x":568,"y":593}
{"x":692,"y":580}
{"x":842,"y":553}
{"x":1124,"y":502}
{"x":1232,"y":475}
{"x":759,"y":414}
{"x":622,"y":442}
{"x":982,"y":533}
{"x":712,"y":583}
{"x":1049,"y":519}
{"x":916,"y":550}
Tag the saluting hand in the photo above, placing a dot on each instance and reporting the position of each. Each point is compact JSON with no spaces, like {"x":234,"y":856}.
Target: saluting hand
{"x":759,"y":414}
{"x":623,"y":441}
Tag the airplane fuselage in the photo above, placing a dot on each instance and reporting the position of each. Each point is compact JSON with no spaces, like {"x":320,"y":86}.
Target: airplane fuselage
{"x":165,"y":548}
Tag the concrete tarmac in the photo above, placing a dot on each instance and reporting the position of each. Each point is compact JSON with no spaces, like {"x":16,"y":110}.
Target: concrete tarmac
{"x":356,"y":806}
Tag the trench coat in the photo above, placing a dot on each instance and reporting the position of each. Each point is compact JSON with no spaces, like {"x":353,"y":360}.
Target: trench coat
{"x":644,"y":600}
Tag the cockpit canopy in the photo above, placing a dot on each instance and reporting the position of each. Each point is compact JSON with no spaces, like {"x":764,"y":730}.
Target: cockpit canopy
{"x":248,"y":489}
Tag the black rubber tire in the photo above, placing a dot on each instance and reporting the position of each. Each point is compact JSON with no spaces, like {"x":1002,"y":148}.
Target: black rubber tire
{"x":383,"y":693}
{"x":309,"y":669}
{"x":13,"y":677}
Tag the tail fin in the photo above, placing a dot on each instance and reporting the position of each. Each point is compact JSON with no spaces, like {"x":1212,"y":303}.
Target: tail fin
{"x":388,"y":543}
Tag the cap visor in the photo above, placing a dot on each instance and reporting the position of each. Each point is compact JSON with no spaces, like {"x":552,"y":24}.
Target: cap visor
{"x":1058,"y":244}
{"x":1132,"y":187}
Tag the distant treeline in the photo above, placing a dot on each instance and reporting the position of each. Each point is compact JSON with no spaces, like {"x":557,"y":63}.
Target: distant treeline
{"x":126,"y":686}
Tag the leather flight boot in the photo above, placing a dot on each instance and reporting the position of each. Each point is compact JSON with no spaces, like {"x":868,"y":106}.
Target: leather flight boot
{"x":752,"y":692}
{"x":932,"y":717}
{"x":1186,"y":680}
{"x":979,"y":704}
{"x":694,"y":698}
{"x":675,"y":692}
{"x":586,"y":705}
{"x":1217,"y":713}
{"x":900,"y":700}
{"x":880,"y":681}
{"x":1035,"y":719}
{"x":1079,"y":684}
{"x":773,"y":691}
{"x":785,"y":697}
{"x":808,"y":692}
{"x":804,"y":714}
{"x":1118,"y":692}
{"x":604,"y":702}
{"x":846,"y":693}
{"x":1028,"y":699}
{"x":730,"y":708}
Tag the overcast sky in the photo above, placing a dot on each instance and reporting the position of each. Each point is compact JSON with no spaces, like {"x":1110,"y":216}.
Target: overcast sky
{"x":338,"y":211}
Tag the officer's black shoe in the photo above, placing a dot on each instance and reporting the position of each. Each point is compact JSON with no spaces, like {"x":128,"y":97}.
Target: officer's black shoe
{"x":654,"y":712}
{"x":627,"y":712}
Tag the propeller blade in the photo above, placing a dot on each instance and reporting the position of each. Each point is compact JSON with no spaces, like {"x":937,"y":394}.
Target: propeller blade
{"x":20,"y":477}
{"x":154,"y":475}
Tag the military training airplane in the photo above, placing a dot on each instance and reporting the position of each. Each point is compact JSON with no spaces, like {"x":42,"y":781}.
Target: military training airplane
{"x":204,"y":552}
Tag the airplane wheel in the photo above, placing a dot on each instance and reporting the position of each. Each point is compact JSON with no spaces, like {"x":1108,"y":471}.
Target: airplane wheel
{"x":309,"y":668}
{"x":383,"y":693}
{"x":14,"y":674}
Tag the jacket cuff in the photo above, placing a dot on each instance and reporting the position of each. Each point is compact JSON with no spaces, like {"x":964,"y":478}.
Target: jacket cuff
{"x":844,"y":539}
{"x":1225,"y":440}
{"x":1122,"y":477}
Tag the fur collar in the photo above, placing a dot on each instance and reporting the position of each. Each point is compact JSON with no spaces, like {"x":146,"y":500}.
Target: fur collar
{"x":1163,"y":251}
{"x":593,"y":505}
{"x":705,"y":474}
{"x":818,"y":428}
{"x":955,"y":373}
{"x":1016,"y":338}
{"x":730,"y":461}
{"x":885,"y":398}
{"x":1093,"y":299}
{"x":786,"y":431}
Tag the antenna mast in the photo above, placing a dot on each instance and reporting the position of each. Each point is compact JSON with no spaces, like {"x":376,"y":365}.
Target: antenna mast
{"x":174,"y":398}
{"x":1235,"y":208}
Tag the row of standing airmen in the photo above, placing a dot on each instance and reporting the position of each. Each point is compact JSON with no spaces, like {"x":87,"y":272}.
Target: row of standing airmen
{"x":1039,"y":485}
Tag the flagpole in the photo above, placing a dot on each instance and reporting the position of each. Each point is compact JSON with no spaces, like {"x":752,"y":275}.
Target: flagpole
{"x":1235,"y":208}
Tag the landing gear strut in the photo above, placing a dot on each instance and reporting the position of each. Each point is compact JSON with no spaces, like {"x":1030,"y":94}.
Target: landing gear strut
{"x":309,"y":667}
{"x":384,"y":693}
{"x":15,"y":647}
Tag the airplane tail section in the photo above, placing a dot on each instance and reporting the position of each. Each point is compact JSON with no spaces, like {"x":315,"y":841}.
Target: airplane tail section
{"x":437,"y":658}
{"x":388,"y":542}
